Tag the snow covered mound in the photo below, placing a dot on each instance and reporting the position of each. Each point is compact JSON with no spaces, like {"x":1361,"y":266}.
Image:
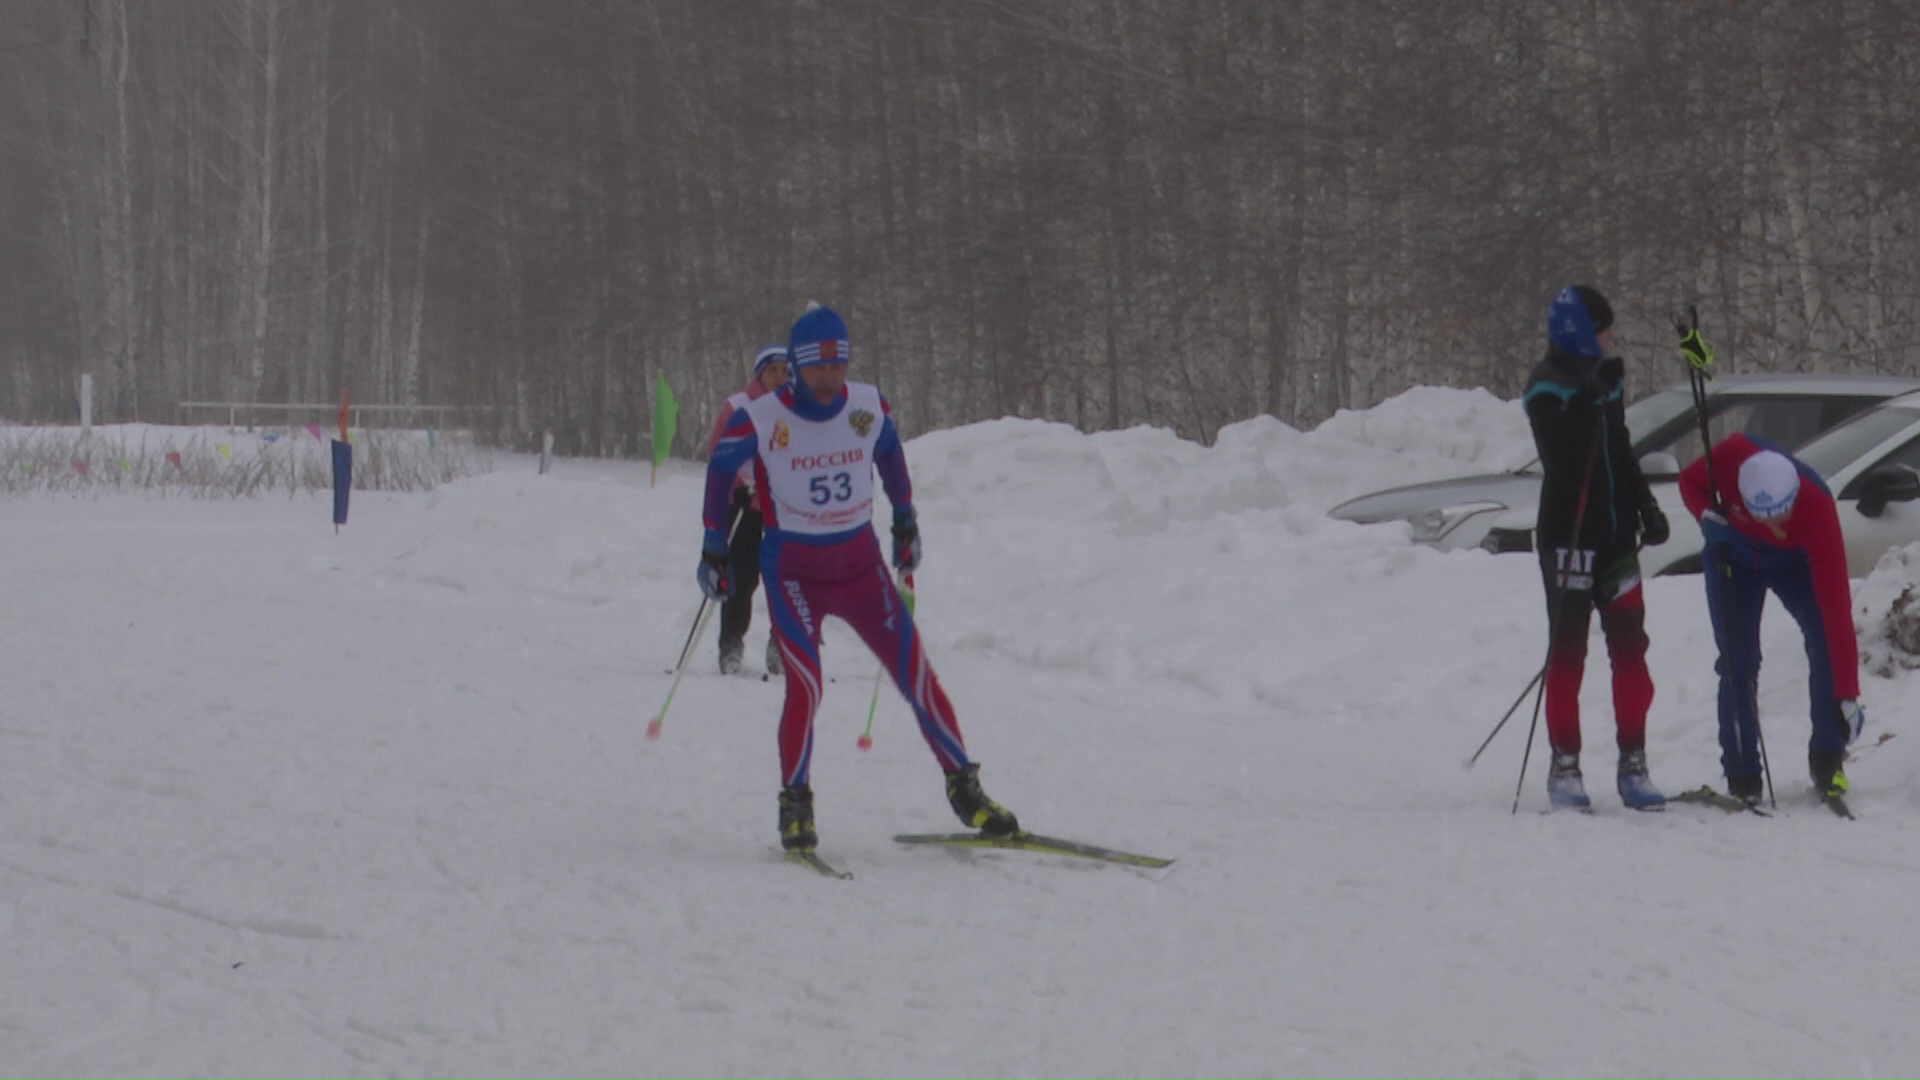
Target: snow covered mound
{"x":1451,"y":432}
{"x":1148,"y":478}
{"x":1198,"y":551}
{"x":1886,"y":613}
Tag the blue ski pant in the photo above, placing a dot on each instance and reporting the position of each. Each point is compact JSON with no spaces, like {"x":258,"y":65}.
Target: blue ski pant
{"x":1736,"y":594}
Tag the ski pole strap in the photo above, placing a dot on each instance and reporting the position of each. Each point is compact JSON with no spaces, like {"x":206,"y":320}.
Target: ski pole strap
{"x":1695,"y":350}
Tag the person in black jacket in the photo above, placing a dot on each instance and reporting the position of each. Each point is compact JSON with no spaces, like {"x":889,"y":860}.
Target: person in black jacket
{"x":1595,"y":508}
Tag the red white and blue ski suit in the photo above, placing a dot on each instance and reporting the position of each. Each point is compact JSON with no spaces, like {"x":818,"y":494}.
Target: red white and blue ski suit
{"x":1804,"y":562}
{"x":813,"y":468}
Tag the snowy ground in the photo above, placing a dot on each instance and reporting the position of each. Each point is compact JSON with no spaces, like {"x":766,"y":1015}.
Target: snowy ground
{"x":279,"y":801}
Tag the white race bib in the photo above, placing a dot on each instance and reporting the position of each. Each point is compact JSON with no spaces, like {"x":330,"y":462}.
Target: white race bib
{"x":819,"y":472}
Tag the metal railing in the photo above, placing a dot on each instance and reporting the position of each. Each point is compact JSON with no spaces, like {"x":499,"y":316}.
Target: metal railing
{"x":252,"y":414}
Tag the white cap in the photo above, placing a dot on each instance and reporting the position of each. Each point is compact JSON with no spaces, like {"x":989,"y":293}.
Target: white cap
{"x":768,"y":354}
{"x":1768,"y":484}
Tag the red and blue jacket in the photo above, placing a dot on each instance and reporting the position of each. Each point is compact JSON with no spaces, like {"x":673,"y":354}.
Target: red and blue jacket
{"x":1811,"y":531}
{"x":789,"y":553}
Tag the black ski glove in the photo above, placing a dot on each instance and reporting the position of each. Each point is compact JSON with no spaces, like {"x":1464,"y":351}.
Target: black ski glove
{"x":1654,"y":530}
{"x":1604,"y":377}
{"x":906,"y":540}
{"x":1608,"y":375}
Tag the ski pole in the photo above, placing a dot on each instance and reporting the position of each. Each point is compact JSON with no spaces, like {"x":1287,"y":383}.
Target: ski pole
{"x":1856,"y":755}
{"x":865,"y":741}
{"x":1537,"y":676}
{"x":693,"y":633}
{"x":699,"y":627}
{"x":1699,"y":370}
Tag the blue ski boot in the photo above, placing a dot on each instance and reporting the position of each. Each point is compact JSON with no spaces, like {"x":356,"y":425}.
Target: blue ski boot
{"x":1636,"y":789}
{"x":1565,"y":788}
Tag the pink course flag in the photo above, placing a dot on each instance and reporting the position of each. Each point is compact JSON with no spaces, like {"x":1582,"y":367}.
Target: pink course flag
{"x":79,"y":466}
{"x":314,"y":430}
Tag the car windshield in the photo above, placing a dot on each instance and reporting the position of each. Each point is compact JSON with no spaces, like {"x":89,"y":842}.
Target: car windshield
{"x":1649,"y":414}
{"x":1842,"y":446}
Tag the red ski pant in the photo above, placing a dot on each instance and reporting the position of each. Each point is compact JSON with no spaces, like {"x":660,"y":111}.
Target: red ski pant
{"x":870,"y":604}
{"x":1574,"y":591}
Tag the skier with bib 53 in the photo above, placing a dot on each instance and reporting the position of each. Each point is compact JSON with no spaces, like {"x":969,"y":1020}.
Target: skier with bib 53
{"x":813,"y":447}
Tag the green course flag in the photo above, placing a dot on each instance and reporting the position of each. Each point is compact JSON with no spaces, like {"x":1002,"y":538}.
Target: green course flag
{"x":666,"y":417}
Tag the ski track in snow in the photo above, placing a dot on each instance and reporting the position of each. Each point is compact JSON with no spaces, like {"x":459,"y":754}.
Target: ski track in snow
{"x":275,"y":800}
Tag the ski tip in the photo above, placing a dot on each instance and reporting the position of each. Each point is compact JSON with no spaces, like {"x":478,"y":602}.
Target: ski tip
{"x":812,"y":861}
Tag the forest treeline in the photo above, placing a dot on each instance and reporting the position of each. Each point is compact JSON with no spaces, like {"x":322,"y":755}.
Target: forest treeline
{"x":1171,"y":212}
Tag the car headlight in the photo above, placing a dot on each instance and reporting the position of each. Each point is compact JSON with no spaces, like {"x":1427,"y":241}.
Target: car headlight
{"x":1434,"y":525}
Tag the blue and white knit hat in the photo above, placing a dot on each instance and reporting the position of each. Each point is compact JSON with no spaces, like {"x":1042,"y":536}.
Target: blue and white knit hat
{"x":768,"y":354}
{"x":818,"y":337}
{"x":1577,"y":317}
{"x":1769,"y":483}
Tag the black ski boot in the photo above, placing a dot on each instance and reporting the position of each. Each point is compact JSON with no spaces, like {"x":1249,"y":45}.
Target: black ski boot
{"x":1748,"y":789}
{"x":975,"y":809}
{"x":732,"y":652}
{"x":796,"y":818}
{"x":1828,"y":777}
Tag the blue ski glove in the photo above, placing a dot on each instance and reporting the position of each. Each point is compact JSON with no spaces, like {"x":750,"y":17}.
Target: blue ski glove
{"x":906,"y":539}
{"x":1714,"y":528}
{"x":1854,"y":715}
{"x":716,"y":572}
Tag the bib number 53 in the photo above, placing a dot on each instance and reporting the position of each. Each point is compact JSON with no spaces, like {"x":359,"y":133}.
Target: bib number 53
{"x":822,"y":490}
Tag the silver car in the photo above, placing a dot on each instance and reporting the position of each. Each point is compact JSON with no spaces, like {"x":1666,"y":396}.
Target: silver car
{"x":1872,"y":465}
{"x":1496,"y":511}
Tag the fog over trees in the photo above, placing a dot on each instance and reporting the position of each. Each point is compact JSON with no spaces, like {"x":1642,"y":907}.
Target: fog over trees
{"x":1170,"y":212}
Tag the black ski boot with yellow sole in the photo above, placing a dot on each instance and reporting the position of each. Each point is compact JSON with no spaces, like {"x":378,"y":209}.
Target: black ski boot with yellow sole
{"x":975,"y":809}
{"x":1825,"y":768}
{"x":796,"y":818}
